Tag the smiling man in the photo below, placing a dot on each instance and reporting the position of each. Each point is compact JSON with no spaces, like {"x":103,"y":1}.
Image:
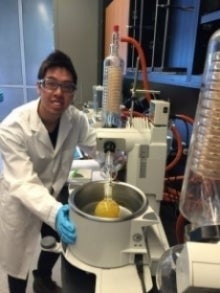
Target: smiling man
{"x":37,"y":142}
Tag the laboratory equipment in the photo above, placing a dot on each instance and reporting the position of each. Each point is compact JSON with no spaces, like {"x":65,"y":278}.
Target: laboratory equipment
{"x":112,"y":83}
{"x":107,"y":206}
{"x":200,"y":199}
{"x":145,"y":143}
{"x":197,"y":268}
{"x":120,"y":248}
{"x":166,"y":270}
{"x":97,"y":91}
{"x":198,"y":263}
{"x":103,"y":231}
{"x":120,"y":254}
{"x":108,"y":248}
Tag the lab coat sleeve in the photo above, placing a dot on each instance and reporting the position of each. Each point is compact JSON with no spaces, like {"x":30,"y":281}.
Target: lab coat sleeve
{"x":20,"y":179}
{"x":87,"y":137}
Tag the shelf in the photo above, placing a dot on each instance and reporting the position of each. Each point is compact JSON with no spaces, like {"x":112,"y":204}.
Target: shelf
{"x":209,"y":17}
{"x":170,"y":78}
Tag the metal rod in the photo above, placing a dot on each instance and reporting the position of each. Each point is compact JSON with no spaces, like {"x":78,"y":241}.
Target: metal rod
{"x":141,"y":21}
{"x":133,"y":34}
{"x":165,"y":33}
{"x":155,"y":34}
{"x":147,"y":91}
{"x":134,"y":91}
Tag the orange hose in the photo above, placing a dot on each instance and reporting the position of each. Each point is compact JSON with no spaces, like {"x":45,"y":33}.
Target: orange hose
{"x":171,"y":195}
{"x":185,"y":117}
{"x":180,"y":229}
{"x":179,"y":141}
{"x":143,"y":63}
{"x":178,"y":156}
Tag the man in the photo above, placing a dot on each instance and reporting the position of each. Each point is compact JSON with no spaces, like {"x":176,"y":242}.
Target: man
{"x":37,"y":141}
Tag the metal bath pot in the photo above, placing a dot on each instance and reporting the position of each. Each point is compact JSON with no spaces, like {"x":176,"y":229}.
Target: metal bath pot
{"x":107,"y":242}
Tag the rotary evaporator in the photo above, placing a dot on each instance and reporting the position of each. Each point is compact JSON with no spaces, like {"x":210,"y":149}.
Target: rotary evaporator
{"x":194,"y":265}
{"x":120,"y":241}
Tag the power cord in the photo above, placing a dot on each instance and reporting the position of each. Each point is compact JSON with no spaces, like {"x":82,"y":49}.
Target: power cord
{"x":138,"y":260}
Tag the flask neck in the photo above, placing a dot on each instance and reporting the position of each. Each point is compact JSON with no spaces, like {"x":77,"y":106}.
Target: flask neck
{"x":114,"y":46}
{"x":114,"y":50}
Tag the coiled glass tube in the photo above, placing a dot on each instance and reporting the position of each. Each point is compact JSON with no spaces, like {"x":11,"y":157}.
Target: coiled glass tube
{"x":112,"y":84}
{"x":200,"y":197}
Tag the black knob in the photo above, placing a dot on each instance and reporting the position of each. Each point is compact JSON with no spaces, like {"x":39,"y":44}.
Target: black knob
{"x":109,"y":146}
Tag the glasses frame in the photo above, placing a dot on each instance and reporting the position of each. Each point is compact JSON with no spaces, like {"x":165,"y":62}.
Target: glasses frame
{"x":65,"y":87}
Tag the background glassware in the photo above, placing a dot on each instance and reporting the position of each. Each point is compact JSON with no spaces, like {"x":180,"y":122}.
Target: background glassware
{"x":200,"y":197}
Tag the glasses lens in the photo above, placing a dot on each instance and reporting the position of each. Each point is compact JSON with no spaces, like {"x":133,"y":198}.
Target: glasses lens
{"x":52,"y":85}
{"x":68,"y":88}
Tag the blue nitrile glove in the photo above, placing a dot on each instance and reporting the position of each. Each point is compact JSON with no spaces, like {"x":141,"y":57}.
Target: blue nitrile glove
{"x":65,"y":228}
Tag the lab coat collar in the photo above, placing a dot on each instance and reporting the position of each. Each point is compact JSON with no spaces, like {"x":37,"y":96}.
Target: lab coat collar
{"x":64,"y":129}
{"x":36,"y":124}
{"x":40,"y":130}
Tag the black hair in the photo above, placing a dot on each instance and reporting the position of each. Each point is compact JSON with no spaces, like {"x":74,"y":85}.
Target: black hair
{"x":57,"y":59}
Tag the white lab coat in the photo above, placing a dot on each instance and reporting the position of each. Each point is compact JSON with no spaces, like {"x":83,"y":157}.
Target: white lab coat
{"x":31,"y":168}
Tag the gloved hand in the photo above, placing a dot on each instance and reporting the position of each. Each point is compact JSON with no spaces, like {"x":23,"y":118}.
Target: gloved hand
{"x":65,"y":228}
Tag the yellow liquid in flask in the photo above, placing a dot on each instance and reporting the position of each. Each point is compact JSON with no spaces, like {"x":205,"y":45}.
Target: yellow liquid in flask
{"x":107,"y":208}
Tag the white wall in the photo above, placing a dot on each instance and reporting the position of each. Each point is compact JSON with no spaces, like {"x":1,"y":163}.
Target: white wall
{"x":77,"y":33}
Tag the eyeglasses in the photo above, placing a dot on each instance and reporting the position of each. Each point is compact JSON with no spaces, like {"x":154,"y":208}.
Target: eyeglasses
{"x":52,"y":85}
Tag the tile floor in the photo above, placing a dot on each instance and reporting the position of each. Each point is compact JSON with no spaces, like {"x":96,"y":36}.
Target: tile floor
{"x":3,"y":277}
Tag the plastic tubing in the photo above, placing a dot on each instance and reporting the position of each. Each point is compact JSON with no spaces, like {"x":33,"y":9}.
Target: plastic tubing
{"x":171,"y":195}
{"x":143,"y":63}
{"x":174,"y":162}
{"x":185,"y":118}
{"x":176,"y":134}
{"x":180,"y":228}
{"x":179,"y":141}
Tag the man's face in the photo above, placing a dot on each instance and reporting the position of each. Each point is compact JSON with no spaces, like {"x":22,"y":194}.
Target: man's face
{"x":56,"y":91}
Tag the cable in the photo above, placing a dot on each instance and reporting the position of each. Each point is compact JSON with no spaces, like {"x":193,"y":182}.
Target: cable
{"x":138,"y":260}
